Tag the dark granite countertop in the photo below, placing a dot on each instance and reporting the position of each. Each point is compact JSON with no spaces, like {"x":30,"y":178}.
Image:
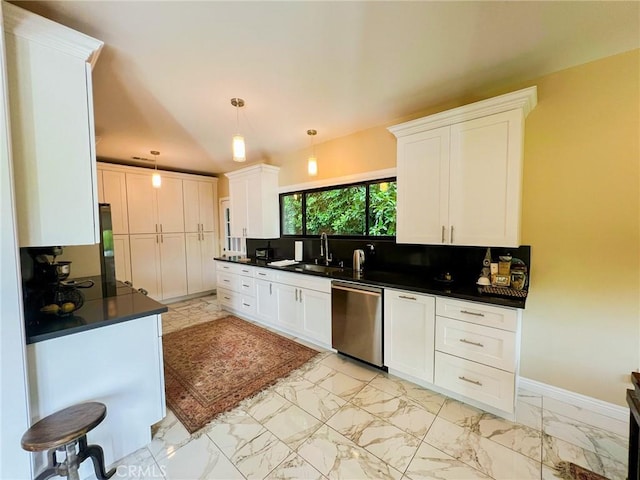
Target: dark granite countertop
{"x":405,"y":281}
{"x":97,"y":311}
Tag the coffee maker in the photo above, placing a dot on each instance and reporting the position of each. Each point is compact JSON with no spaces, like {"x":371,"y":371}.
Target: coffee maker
{"x":43,"y":279}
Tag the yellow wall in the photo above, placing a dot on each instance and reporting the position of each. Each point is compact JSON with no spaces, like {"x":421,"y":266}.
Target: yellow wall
{"x":581,"y":216}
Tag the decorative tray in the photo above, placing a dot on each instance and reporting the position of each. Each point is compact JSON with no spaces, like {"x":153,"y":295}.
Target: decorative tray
{"x":503,"y":291}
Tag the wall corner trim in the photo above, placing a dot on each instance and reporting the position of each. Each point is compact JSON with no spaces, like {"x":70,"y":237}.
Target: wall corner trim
{"x":576,"y":399}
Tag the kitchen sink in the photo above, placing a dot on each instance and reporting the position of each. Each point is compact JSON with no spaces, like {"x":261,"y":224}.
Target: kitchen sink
{"x":312,"y":267}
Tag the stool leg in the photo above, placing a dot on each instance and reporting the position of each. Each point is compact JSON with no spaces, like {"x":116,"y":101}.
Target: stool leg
{"x":97,"y":457}
{"x":72,"y":462}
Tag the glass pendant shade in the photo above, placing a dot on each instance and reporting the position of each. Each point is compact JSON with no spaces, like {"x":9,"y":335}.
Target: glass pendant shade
{"x":238,"y":149}
{"x":312,"y":166}
{"x":156,"y":180}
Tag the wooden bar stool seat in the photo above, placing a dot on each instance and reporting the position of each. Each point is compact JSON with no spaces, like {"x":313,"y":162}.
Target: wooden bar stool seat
{"x":63,"y":431}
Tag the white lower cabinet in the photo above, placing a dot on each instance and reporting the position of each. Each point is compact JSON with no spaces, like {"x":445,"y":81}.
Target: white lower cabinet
{"x":158,"y":264}
{"x":200,"y":250}
{"x":464,"y":349}
{"x":409,"y":333}
{"x":294,"y":303}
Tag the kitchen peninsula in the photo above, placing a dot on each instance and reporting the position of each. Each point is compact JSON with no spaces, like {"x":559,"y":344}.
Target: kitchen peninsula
{"x":109,"y":350}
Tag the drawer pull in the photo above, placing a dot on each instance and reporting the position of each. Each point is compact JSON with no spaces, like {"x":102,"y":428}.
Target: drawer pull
{"x":407,"y":298}
{"x":475,"y":382}
{"x":263,"y":274}
{"x":245,"y":271}
{"x":227,"y":298}
{"x":246,"y":304}
{"x":225,"y":280}
{"x":477,"y":314}
{"x":245,"y":286}
{"x":477,"y":344}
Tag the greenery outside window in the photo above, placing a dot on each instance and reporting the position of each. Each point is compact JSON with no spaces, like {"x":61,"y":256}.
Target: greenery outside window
{"x":366,"y":209}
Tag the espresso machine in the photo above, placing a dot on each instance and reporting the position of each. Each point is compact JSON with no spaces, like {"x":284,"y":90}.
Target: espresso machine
{"x":43,"y":280}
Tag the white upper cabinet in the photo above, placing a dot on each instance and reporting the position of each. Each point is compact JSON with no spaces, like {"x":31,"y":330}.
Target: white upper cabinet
{"x":253,"y":194}
{"x":154,"y":210}
{"x":112,"y":189}
{"x":460,"y":173}
{"x":199,"y":201}
{"x":52,"y":130}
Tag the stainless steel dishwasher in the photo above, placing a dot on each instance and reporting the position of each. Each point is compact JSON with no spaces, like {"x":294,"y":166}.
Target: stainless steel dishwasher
{"x":356,"y":321}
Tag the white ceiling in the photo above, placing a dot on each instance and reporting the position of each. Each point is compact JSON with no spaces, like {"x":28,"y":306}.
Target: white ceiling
{"x":169,"y":69}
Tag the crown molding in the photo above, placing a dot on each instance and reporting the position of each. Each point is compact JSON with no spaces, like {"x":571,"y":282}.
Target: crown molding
{"x":525,"y":99}
{"x":27,"y":25}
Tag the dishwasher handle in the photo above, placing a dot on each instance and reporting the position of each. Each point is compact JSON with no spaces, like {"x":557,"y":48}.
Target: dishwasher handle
{"x":356,"y":290}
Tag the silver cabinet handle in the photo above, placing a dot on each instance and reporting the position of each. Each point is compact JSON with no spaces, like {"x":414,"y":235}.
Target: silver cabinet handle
{"x":227,"y":298}
{"x":246,"y":304}
{"x":245,"y":286}
{"x":271,"y":289}
{"x":300,"y":296}
{"x":160,"y":228}
{"x":161,"y":237}
{"x":246,"y":271}
{"x":442,"y":233}
{"x":225,"y":280}
{"x":296,"y":294}
{"x":156,"y":228}
{"x":477,"y":344}
{"x":407,"y":298}
{"x":263,"y":274}
{"x":477,"y":314}
{"x":157,"y":239}
{"x":451,"y":236}
{"x":475,"y":382}
{"x":226,"y":267}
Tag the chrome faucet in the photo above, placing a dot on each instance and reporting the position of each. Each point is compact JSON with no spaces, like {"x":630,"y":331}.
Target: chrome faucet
{"x":324,"y":248}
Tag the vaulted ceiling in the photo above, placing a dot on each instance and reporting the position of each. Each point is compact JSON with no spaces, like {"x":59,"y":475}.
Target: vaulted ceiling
{"x":168,"y":70}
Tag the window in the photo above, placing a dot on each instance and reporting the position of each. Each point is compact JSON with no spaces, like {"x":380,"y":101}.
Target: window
{"x":366,"y":209}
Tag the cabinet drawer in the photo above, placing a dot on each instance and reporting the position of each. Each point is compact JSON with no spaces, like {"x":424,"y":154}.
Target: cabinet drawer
{"x":226,"y":297}
{"x":484,"y":384}
{"x":264,"y":273}
{"x":228,"y":267}
{"x":490,"y":346}
{"x":247,"y":286}
{"x":498,"y":317}
{"x":228,"y":281}
{"x":245,"y":270}
{"x":246,"y":304}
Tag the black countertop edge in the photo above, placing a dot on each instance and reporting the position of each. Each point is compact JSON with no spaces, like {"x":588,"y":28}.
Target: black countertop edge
{"x":96,"y":312}
{"x":398,"y":280}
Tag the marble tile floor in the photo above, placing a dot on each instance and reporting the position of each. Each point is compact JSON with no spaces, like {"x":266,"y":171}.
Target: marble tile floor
{"x":337,"y":418}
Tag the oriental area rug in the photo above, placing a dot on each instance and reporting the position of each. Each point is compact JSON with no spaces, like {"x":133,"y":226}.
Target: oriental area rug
{"x":210,"y":367}
{"x":571,"y":471}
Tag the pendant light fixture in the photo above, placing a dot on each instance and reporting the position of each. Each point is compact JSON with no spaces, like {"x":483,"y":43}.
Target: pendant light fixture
{"x":239,"y":154}
{"x":156,"y":179}
{"x":312,"y":162}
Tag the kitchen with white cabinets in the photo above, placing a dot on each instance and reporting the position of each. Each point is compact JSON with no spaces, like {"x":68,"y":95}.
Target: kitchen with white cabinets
{"x":460,"y":173}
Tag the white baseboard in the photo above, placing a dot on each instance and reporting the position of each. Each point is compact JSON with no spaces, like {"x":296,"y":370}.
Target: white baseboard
{"x":577,"y":399}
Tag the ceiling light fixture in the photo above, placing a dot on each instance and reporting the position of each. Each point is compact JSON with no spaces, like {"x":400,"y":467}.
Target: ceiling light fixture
{"x":239,"y":154}
{"x":156,"y":179}
{"x":312,"y":162}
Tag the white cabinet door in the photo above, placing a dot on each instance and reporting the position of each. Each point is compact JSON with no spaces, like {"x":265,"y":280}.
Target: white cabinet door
{"x":100,"y":188}
{"x":114,"y":189}
{"x":409,"y":333}
{"x":194,"y":263}
{"x":208,"y":251}
{"x":486,"y":180}
{"x":145,"y":264}
{"x":143,"y":210}
{"x":173,"y":267}
{"x":287,"y":298}
{"x":239,"y":198}
{"x":191,"y":206}
{"x":122,"y":257}
{"x":423,"y":187}
{"x":170,"y":206}
{"x":266,"y":303}
{"x":52,"y":133}
{"x":206,"y":201}
{"x":316,"y":316}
